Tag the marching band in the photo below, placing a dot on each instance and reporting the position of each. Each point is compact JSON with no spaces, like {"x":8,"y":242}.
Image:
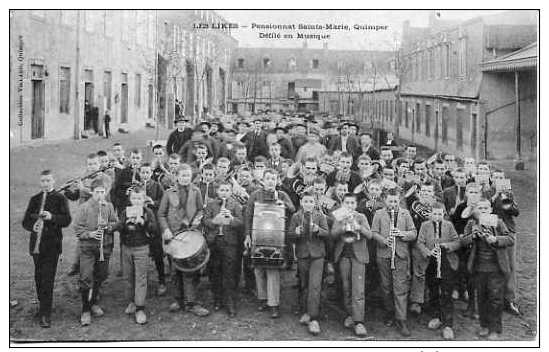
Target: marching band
{"x":247,"y":199}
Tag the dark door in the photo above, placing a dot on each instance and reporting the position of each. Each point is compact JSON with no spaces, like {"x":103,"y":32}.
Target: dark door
{"x":473,"y":134}
{"x":37,"y":118}
{"x":150,"y":95}
{"x":88,"y":96}
{"x":124,"y":103}
{"x":291,"y":89}
{"x":435,"y":132}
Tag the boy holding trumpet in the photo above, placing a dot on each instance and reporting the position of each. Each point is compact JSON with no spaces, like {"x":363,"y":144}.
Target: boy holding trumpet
{"x":308,"y":230}
{"x":351,"y":232}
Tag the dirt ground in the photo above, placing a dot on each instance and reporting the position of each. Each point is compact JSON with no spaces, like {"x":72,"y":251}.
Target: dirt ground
{"x":67,"y":160}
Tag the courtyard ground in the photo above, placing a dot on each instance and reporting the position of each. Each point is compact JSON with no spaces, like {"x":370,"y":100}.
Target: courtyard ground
{"x":67,"y":160}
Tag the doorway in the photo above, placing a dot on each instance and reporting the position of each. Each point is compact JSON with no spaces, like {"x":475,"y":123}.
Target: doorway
{"x":124,"y":103}
{"x":37,"y":117}
{"x":88,"y":106}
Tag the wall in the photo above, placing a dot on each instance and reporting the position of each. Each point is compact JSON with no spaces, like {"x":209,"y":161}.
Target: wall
{"x":49,"y":39}
{"x":498,"y":93}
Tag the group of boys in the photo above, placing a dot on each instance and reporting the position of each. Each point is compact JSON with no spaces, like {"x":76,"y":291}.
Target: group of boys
{"x":423,"y":232}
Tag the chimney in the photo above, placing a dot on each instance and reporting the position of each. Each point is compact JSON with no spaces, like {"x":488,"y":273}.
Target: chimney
{"x":304,"y":44}
{"x":325,"y":45}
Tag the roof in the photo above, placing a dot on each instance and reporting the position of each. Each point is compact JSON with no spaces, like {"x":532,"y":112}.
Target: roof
{"x":308,"y":83}
{"x":522,"y":59}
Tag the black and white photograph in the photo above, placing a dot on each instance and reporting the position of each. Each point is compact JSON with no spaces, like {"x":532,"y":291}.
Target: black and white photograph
{"x":274,"y":177}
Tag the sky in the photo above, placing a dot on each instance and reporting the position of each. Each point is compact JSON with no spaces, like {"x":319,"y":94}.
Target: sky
{"x":383,"y":39}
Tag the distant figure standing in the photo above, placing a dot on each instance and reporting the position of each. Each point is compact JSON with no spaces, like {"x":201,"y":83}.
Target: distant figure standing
{"x":107,"y":121}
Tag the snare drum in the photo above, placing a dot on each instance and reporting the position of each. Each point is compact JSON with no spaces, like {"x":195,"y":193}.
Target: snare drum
{"x":189,"y":251}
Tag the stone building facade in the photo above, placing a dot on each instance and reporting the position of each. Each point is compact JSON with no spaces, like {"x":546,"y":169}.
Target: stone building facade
{"x":115,"y":71}
{"x":109,"y":55}
{"x":193,"y":64}
{"x":290,"y":79}
{"x":445,"y":96}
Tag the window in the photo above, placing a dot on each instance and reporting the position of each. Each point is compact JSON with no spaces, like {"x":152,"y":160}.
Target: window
{"x":446,"y":59}
{"x":292,"y":64}
{"x":459,"y":128}
{"x":406,"y":115}
{"x":64,"y":89}
{"x":432,"y":63}
{"x":240,"y":63}
{"x":68,"y":17}
{"x":314,"y":63}
{"x":89,"y":20}
{"x":266,"y":62}
{"x":107,"y":87}
{"x":124,"y":25}
{"x":417,"y":71}
{"x":462,"y":64}
{"x":428,"y":112}
{"x":444,"y":123}
{"x":391,"y":110}
{"x":418,"y":117}
{"x":138,"y":89}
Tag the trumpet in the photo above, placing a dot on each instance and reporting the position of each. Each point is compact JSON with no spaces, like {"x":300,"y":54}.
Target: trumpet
{"x":393,"y":238}
{"x":38,"y":226}
{"x":239,"y":192}
{"x":351,"y":227}
{"x":70,"y":182}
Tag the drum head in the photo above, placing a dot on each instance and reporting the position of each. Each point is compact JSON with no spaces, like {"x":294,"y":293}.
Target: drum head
{"x":185,"y":244}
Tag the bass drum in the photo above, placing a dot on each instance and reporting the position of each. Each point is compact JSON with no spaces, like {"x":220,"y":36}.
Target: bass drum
{"x":268,"y":236}
{"x":189,"y":251}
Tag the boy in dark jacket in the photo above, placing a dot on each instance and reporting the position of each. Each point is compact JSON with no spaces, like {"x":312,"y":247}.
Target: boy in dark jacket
{"x":489,"y":264}
{"x":137,"y":226}
{"x":52,"y":210}
{"x":308,"y":230}
{"x":223,"y":229}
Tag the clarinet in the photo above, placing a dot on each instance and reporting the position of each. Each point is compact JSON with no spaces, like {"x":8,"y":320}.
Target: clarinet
{"x":101,"y":226}
{"x":38,"y":226}
{"x":223,"y":203}
{"x":439,"y":250}
{"x":393,"y":239}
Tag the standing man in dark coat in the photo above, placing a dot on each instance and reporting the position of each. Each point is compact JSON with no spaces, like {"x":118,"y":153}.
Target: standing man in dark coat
{"x":286,"y":148}
{"x":53,"y":212}
{"x":179,"y":136}
{"x":107,"y":123}
{"x":345,"y":142}
{"x":256,"y":141}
